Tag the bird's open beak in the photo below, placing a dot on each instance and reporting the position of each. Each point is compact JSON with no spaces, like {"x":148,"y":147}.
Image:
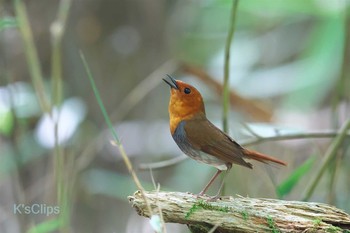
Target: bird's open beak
{"x":173,"y":83}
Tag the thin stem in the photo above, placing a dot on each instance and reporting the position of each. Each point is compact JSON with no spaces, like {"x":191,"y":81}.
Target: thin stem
{"x":226,"y":91}
{"x":98,"y":98}
{"x":342,"y":87}
{"x":260,"y":140}
{"x":334,"y":170}
{"x":116,"y":140}
{"x":32,"y":55}
{"x":329,"y":156}
{"x":226,"y":85}
{"x":57,"y":31}
{"x":250,"y":130}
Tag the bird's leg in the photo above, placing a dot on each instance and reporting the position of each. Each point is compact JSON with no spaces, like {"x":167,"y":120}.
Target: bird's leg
{"x":214,"y":198}
{"x":210,"y":182}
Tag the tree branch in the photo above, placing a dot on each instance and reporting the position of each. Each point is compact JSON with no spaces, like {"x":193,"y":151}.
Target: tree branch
{"x":292,"y":136}
{"x":242,"y":214}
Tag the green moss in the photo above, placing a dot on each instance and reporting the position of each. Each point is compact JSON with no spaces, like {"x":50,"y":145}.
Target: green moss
{"x":317,"y":222}
{"x":194,"y":208}
{"x":272,"y":225}
{"x":245,"y":215}
{"x":206,"y":206}
{"x":333,"y":229}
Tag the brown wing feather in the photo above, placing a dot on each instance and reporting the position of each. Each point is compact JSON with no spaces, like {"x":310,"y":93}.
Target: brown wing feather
{"x":206,"y":137}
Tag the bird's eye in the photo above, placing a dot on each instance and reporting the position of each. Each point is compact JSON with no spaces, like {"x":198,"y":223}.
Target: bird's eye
{"x":187,"y":90}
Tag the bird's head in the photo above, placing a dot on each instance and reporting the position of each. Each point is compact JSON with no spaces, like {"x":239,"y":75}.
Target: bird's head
{"x":185,"y":100}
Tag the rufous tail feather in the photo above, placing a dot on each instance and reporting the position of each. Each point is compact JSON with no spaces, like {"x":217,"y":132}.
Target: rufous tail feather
{"x":261,"y":157}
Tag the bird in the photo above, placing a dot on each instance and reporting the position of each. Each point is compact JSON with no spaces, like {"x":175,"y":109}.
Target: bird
{"x":200,"y":139}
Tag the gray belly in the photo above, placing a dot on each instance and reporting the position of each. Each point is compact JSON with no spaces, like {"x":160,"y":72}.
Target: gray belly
{"x":204,"y":158}
{"x":186,"y":147}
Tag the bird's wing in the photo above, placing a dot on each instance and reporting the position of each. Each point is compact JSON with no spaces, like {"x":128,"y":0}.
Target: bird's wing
{"x":206,"y":137}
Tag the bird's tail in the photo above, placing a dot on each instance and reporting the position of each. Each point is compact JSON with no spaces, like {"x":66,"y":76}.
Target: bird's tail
{"x":250,"y":154}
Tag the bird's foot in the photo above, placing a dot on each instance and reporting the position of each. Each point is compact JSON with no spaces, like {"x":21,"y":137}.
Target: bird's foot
{"x":208,"y":198}
{"x":201,"y":195}
{"x":214,"y":198}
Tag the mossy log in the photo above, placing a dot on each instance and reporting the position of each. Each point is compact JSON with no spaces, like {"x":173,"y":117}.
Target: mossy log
{"x":242,"y":214}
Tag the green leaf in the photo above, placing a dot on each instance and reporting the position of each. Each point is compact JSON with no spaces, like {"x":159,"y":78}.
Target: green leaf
{"x":285,"y":187}
{"x":47,"y":226}
{"x":7,"y":23}
{"x":6,"y":121}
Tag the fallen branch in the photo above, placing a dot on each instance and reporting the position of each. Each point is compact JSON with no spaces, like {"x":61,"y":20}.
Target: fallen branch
{"x":242,"y":214}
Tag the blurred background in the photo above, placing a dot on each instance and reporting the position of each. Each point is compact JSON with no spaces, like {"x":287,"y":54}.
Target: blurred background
{"x":289,"y":75}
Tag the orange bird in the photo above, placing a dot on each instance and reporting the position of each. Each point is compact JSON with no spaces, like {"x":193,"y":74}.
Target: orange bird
{"x":202,"y":141}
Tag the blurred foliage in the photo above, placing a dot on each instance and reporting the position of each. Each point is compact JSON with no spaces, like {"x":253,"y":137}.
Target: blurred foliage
{"x":7,"y":23}
{"x":48,"y":226}
{"x":291,"y":55}
{"x":285,"y":187}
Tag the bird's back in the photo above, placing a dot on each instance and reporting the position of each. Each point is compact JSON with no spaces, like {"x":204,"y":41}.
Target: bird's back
{"x":203,"y":141}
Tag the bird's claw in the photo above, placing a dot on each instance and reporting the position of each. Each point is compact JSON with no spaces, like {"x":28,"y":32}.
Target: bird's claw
{"x":208,"y":198}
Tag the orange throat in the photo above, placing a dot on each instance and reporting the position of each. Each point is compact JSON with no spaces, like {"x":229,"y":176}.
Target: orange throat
{"x":184,"y":106}
{"x":176,"y":117}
